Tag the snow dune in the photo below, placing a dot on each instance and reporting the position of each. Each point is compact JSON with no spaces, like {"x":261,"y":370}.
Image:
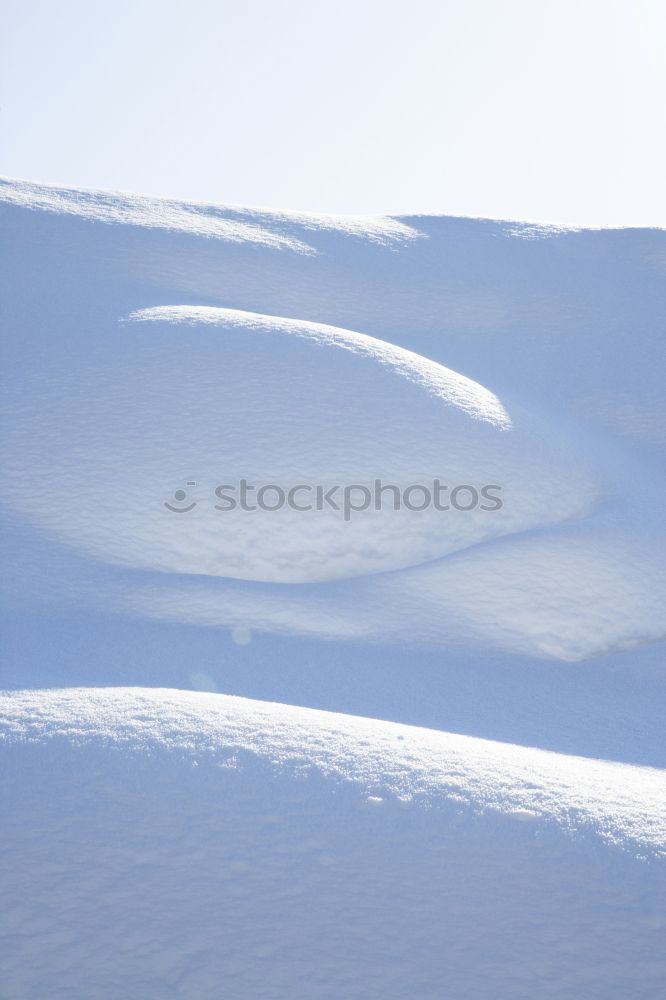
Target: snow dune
{"x":281,"y":402}
{"x":619,"y":804}
{"x":272,"y":851}
{"x":163,"y":843}
{"x":126,"y":384}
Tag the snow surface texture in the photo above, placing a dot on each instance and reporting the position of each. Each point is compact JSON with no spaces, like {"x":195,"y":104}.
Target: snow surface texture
{"x":118,"y":394}
{"x":170,"y":844}
{"x":241,"y":848}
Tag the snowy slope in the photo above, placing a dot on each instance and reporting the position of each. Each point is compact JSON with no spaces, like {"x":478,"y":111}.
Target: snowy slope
{"x":108,"y":416}
{"x":509,"y":841}
{"x":252,"y":849}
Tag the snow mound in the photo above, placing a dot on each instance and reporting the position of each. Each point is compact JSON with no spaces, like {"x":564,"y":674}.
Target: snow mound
{"x":286,"y":852}
{"x":621,"y":804}
{"x":200,"y":399}
{"x":158,"y":350}
{"x":274,"y":230}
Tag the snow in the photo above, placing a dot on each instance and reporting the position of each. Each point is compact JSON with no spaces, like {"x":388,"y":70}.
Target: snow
{"x":273,"y":851}
{"x":621,"y":804}
{"x":278,"y":402}
{"x":229,"y":223}
{"x":264,"y":833}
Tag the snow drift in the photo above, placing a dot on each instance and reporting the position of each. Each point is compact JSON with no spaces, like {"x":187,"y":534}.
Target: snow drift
{"x":264,"y":850}
{"x":157,"y":347}
{"x":168,"y":844}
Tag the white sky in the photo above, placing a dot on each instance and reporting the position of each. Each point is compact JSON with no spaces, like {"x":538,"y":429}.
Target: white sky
{"x":536,"y":109}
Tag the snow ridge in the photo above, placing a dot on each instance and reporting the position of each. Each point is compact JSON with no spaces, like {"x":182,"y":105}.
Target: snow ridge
{"x":623,"y":805}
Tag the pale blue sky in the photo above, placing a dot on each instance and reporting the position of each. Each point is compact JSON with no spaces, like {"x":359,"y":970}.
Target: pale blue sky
{"x":553,"y":111}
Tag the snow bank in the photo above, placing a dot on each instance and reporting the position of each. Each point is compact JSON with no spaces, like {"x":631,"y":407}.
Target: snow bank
{"x":164,"y":844}
{"x":274,"y":851}
{"x":623,"y":805}
{"x":231,"y":368}
{"x":198,"y":398}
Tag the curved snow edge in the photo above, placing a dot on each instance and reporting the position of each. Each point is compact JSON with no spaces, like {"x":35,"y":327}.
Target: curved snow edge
{"x":445,"y":383}
{"x":621,"y":804}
